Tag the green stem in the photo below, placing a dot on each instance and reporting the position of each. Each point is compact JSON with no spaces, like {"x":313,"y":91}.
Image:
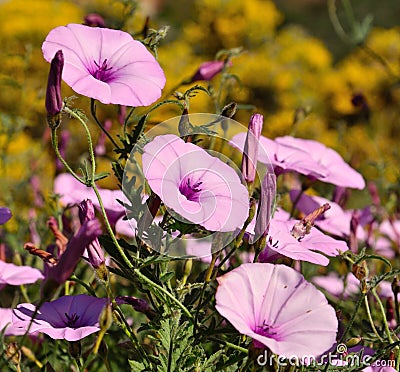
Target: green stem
{"x":383,"y":312}
{"x":165,"y":292}
{"x":90,"y":290}
{"x":24,"y":293}
{"x":371,"y":321}
{"x":93,"y":111}
{"x":230,"y":345}
{"x":95,"y":189}
{"x":54,"y":142}
{"x":335,"y":21}
{"x":353,"y":317}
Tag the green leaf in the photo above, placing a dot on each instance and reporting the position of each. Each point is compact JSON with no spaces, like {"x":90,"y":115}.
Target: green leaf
{"x":166,"y":277}
{"x":101,"y":175}
{"x":136,"y":366}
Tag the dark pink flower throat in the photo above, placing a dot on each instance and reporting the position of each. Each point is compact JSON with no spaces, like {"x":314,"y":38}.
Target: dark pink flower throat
{"x":189,"y":190}
{"x":103,"y":72}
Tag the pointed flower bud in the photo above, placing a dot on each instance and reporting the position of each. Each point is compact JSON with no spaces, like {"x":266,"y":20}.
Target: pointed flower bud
{"x":264,"y":212}
{"x":53,"y":93}
{"x":250,"y":152}
{"x":95,"y":253}
{"x":208,"y":70}
{"x":94,"y":20}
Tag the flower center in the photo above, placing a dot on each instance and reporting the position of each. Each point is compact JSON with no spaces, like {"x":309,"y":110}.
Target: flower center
{"x":267,"y":331}
{"x":102,"y":72}
{"x":189,"y":190}
{"x":71,"y":320}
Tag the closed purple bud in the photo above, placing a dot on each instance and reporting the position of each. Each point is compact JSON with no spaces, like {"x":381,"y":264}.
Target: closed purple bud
{"x":95,"y":253}
{"x":250,"y":152}
{"x":138,"y":304}
{"x":53,"y":94}
{"x":264,"y":212}
{"x":208,"y":70}
{"x":94,"y":20}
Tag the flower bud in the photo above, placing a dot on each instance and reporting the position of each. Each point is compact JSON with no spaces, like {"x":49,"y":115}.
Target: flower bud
{"x":250,"y":152}
{"x":54,"y":101}
{"x":94,"y":250}
{"x":267,"y":197}
{"x":94,"y":20}
{"x":106,"y":317}
{"x":13,"y":353}
{"x":208,"y":70}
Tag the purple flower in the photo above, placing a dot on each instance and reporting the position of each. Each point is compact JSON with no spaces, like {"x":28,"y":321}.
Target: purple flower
{"x":6,"y":324}
{"x":283,"y":158}
{"x":73,"y":192}
{"x":195,"y":185}
{"x":5,"y":215}
{"x":95,"y":253}
{"x":250,"y":151}
{"x":208,"y":70}
{"x":338,"y":173}
{"x":54,"y":101}
{"x":17,"y":275}
{"x":107,"y":65}
{"x":277,"y":308}
{"x":311,"y":248}
{"x":69,"y":317}
{"x":57,"y":274}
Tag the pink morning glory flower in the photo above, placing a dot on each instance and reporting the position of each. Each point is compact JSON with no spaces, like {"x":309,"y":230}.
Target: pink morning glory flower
{"x":6,"y":324}
{"x":277,"y":308}
{"x":69,"y":317}
{"x":195,"y":185}
{"x":105,"y":64}
{"x":5,"y":215}
{"x":73,"y":192}
{"x":17,"y":275}
{"x":339,"y":173}
{"x":313,"y":247}
{"x":283,"y":158}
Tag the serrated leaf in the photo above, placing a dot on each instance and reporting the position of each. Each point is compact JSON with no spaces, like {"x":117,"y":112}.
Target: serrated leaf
{"x":167,"y":276}
{"x":118,"y":171}
{"x":136,"y":366}
{"x":210,"y":364}
{"x":101,"y":175}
